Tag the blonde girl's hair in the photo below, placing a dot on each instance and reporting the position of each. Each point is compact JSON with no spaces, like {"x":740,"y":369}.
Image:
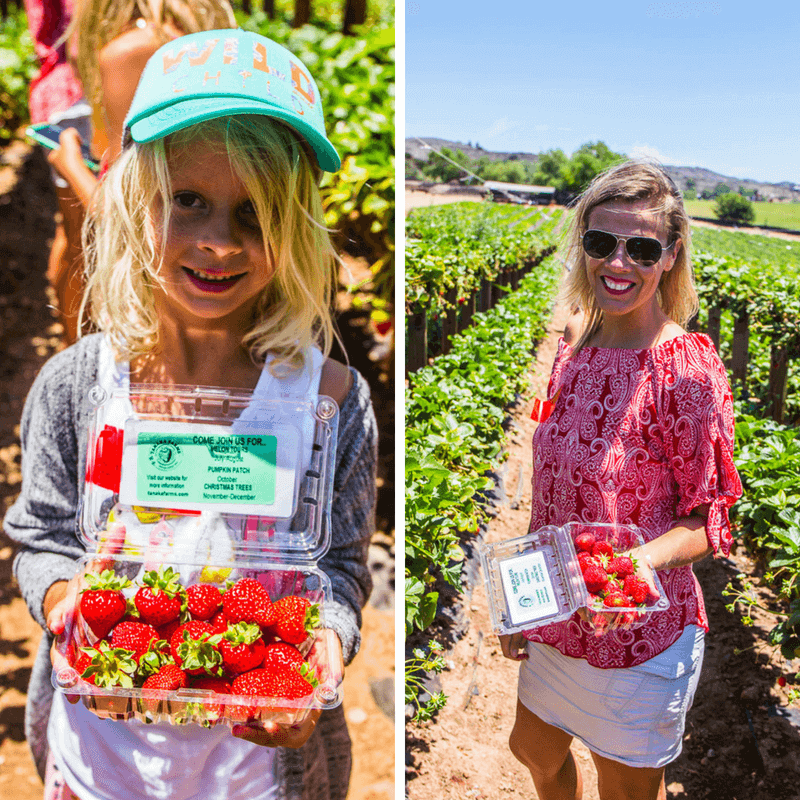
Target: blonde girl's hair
{"x":98,"y":22}
{"x":629,"y":182}
{"x":123,"y":254}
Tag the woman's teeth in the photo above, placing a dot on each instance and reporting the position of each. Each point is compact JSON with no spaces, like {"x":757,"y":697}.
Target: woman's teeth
{"x":616,"y":286}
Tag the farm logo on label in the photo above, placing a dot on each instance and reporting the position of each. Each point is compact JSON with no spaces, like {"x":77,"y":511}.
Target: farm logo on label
{"x":165,"y":454}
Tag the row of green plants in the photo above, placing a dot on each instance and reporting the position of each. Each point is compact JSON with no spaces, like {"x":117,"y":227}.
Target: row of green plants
{"x":459,"y":245}
{"x":455,"y":410}
{"x":758,"y":275}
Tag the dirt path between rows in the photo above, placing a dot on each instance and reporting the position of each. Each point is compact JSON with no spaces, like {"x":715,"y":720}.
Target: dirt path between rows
{"x":742,"y":739}
{"x":29,"y":334}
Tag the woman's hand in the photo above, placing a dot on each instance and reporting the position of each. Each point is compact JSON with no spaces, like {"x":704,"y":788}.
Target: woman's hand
{"x":514,"y":646}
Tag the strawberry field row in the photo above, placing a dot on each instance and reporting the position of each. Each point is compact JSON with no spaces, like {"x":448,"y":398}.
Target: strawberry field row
{"x":461,"y":259}
{"x":750,"y":305}
{"x":455,"y":409}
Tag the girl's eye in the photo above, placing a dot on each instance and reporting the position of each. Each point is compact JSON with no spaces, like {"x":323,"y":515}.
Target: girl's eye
{"x":248,"y":216}
{"x":187,"y":200}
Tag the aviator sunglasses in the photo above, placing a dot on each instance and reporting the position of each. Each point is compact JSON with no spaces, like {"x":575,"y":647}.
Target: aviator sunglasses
{"x":642,"y":249}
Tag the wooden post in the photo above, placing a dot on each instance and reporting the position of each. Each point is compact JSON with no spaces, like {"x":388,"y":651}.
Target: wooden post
{"x":246,"y":7}
{"x":467,"y":312}
{"x":302,"y":13}
{"x":485,"y":299}
{"x":741,"y":340}
{"x":269,"y":8}
{"x":449,"y":320}
{"x":417,"y":355}
{"x":355,"y":13}
{"x":778,"y":370}
{"x":714,"y":318}
{"x":514,"y":278}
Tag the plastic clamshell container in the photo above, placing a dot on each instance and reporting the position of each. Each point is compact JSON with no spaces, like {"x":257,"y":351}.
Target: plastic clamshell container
{"x":218,"y":485}
{"x":532,"y":580}
{"x":536,"y":579}
{"x":622,"y":538}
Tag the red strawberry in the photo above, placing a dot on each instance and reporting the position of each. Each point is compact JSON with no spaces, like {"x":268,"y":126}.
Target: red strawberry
{"x":192,"y":649}
{"x":211,"y":709}
{"x":595,"y":578}
{"x":106,"y":667}
{"x":170,"y":677}
{"x":247,"y":601}
{"x":615,"y":600}
{"x":203,"y":600}
{"x":134,"y":636}
{"x":622,"y":566}
{"x":277,"y":683}
{"x":102,"y":604}
{"x":159,"y":601}
{"x":219,"y":623}
{"x":586,"y":560}
{"x":281,"y":653}
{"x":165,"y":631}
{"x":297,"y":617}
{"x":781,"y":681}
{"x":602,"y":549}
{"x":636,"y":589}
{"x":241,"y":647}
{"x":585,"y":541}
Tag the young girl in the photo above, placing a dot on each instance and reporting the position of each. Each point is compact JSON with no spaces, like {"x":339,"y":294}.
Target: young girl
{"x":641,"y":433}
{"x":112,"y":41}
{"x":209,"y":264}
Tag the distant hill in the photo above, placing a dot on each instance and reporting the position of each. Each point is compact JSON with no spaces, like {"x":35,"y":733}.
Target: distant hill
{"x":703,"y":178}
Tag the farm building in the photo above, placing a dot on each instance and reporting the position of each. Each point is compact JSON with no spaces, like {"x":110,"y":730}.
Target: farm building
{"x":520,"y":192}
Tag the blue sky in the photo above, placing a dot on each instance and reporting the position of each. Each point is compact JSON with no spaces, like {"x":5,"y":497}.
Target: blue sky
{"x":706,"y":84}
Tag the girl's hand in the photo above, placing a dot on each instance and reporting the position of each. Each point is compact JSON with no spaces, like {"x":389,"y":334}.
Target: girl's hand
{"x":327,"y":660}
{"x":59,"y":603}
{"x":274,"y":735}
{"x":65,"y":157}
{"x":514,"y":646}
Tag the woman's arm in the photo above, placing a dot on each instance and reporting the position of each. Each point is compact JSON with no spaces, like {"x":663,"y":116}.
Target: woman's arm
{"x":684,"y":543}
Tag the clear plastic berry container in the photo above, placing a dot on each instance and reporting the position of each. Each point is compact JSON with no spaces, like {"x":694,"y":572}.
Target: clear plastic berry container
{"x":621,"y":615}
{"x":537,"y":579}
{"x":532,"y":580}
{"x":205,"y":487}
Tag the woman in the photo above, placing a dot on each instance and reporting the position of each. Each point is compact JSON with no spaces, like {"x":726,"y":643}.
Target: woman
{"x":641,"y":433}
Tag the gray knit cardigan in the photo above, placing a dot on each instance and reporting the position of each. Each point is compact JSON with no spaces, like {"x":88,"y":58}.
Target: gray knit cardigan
{"x":43,"y":521}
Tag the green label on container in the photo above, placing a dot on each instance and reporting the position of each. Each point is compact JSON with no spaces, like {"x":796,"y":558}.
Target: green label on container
{"x":528,"y":588}
{"x":206,"y":468}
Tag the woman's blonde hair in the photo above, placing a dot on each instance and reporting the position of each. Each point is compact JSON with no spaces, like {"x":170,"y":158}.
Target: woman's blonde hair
{"x":98,"y":22}
{"x":629,"y":182}
{"x":123,"y":254}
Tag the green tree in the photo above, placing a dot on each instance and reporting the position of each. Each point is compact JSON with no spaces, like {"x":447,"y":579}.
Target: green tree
{"x":732,"y":207}
{"x":720,"y":189}
{"x":441,"y":167}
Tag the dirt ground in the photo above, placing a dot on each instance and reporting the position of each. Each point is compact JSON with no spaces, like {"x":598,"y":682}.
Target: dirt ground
{"x":742,"y":739}
{"x":29,"y":334}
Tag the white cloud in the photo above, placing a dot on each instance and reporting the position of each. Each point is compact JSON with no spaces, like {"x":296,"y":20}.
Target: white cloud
{"x":498,"y":128}
{"x":647,"y":151}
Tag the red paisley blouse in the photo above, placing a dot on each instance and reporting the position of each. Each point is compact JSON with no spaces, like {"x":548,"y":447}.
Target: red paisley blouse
{"x":638,"y":437}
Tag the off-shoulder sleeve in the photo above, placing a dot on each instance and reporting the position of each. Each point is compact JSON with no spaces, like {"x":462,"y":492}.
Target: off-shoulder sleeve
{"x":697,"y":421}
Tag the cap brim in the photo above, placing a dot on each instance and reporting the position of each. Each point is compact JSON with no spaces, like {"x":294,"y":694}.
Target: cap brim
{"x":190,"y":111}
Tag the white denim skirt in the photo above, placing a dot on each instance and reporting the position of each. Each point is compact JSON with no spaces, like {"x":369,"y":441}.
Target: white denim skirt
{"x":635,"y":716}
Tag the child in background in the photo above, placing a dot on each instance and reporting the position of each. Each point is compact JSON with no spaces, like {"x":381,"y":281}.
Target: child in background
{"x":56,"y":97}
{"x":208,"y":264}
{"x":112,"y":41}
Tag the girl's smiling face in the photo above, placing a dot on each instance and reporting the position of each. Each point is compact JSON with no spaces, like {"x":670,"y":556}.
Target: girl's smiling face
{"x":625,"y":291}
{"x":215,"y":262}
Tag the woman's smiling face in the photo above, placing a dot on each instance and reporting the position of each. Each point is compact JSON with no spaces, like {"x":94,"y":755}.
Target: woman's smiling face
{"x":625,"y":290}
{"x":215,"y":264}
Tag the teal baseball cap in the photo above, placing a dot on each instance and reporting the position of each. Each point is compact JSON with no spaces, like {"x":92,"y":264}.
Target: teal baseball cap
{"x":222,"y":73}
